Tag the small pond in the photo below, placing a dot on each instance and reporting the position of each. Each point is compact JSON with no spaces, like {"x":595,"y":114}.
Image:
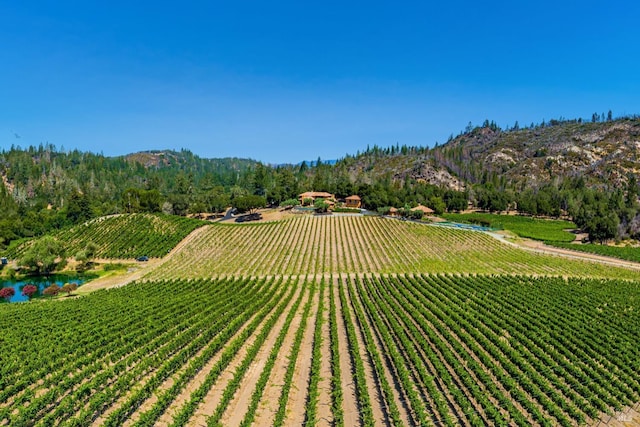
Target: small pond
{"x":40,"y":282}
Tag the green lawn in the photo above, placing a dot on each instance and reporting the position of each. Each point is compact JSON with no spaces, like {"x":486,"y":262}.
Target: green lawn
{"x":523,"y":226}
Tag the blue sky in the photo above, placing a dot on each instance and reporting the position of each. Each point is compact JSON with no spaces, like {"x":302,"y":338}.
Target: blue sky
{"x":286,"y":81}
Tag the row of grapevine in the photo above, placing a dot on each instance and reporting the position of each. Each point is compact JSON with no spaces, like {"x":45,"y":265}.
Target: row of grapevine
{"x":401,"y":350}
{"x":334,"y":245}
{"x":124,"y":236}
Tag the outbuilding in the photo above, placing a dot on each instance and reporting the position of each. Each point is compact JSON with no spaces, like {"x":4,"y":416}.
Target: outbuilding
{"x":424,"y":209}
{"x":353,"y":202}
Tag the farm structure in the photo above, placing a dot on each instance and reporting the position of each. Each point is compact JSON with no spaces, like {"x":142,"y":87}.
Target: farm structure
{"x":353,"y":202}
{"x":424,"y":209}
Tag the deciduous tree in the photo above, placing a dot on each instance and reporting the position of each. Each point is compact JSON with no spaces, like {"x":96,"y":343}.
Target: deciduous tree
{"x":7,"y":293}
{"x":44,"y":256}
{"x":68,"y":288}
{"x":29,"y":291}
{"x":51,"y":290}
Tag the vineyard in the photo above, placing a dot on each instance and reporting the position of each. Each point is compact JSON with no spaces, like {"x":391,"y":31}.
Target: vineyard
{"x":125,"y":236}
{"x":329,"y":350}
{"x":629,"y":253}
{"x":311,"y":245}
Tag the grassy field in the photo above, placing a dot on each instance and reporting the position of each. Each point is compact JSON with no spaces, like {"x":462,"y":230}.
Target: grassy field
{"x":345,"y":350}
{"x":523,"y":226}
{"x":312,"y":245}
{"x":626,"y":253}
{"x":124,"y":236}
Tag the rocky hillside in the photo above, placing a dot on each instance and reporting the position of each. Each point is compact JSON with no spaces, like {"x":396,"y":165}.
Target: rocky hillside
{"x":604,"y":153}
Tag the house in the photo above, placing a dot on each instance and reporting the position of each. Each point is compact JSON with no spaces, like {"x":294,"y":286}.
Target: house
{"x":424,"y":209}
{"x":393,"y":211}
{"x":314,"y":195}
{"x":353,"y":202}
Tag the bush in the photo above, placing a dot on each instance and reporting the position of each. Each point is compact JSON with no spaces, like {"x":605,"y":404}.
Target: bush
{"x":290,"y":202}
{"x":113,"y":266}
{"x":7,"y":293}
{"x":68,"y":288}
{"x":321,"y":206}
{"x":384,"y":210}
{"x":347,"y":210}
{"x":29,"y":290}
{"x":51,"y":290}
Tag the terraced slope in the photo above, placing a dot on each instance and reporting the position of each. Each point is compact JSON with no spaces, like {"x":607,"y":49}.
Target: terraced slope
{"x":353,"y":350}
{"x":321,"y":245}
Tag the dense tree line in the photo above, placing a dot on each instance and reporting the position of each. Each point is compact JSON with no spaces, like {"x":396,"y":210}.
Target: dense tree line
{"x":45,"y":188}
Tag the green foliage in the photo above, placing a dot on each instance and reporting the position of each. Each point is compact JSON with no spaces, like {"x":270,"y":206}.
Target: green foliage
{"x":360,"y":244}
{"x":249,"y":203}
{"x":437,"y":204}
{"x":84,"y":256}
{"x":114,"y":266}
{"x":346,"y":210}
{"x":79,"y":208}
{"x":532,"y":228}
{"x":53,"y":189}
{"x":290,"y":202}
{"x":121,"y":236}
{"x":467,"y":341}
{"x":411,"y":214}
{"x":44,"y":255}
{"x":384,"y":210}
{"x":629,"y":253}
{"x":321,"y":206}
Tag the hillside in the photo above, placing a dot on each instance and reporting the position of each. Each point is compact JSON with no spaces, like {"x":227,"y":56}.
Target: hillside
{"x":604,"y":153}
{"x":123,"y":236}
{"x":294,"y":322}
{"x":552,"y":169}
{"x":323,"y":245}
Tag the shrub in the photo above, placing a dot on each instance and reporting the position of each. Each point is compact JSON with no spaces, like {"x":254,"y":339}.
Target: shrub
{"x":384,"y":210}
{"x":347,"y":210}
{"x":7,"y":293}
{"x":290,"y":202}
{"x":68,"y":288}
{"x":321,"y":206}
{"x":51,"y":290}
{"x":29,"y":290}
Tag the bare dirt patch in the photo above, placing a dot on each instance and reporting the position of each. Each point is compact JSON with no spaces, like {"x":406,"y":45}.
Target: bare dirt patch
{"x":269,"y":403}
{"x":325,"y":417}
{"x":350,"y":403}
{"x":629,"y":417}
{"x":299,"y":390}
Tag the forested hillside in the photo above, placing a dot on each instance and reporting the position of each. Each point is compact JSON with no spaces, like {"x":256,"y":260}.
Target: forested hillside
{"x":585,"y":171}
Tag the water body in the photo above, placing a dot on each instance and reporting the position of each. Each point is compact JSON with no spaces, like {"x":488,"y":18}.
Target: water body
{"x":40,"y":282}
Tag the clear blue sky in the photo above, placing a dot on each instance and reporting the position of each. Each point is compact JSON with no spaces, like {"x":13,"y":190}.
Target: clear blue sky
{"x":292,"y":80}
